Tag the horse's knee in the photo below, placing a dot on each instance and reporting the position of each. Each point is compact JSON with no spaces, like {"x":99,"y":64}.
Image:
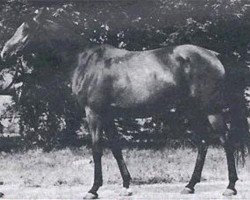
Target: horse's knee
{"x":219,"y":127}
{"x":217,"y":122}
{"x":96,"y":145}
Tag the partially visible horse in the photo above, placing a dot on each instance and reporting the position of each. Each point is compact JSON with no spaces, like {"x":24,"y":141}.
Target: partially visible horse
{"x":110,"y":82}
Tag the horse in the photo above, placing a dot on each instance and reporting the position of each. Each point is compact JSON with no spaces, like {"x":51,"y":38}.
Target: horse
{"x":109,"y":82}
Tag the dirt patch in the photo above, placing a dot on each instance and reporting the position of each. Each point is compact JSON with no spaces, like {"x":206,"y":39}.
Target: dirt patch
{"x":207,"y":190}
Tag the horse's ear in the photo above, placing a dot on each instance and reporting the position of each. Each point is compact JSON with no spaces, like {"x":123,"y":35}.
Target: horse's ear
{"x":40,"y":14}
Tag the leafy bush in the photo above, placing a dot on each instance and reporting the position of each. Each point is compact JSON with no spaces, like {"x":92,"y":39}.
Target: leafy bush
{"x":47,"y":111}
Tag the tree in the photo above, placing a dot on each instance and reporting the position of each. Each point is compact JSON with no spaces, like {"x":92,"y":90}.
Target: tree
{"x":219,"y":25}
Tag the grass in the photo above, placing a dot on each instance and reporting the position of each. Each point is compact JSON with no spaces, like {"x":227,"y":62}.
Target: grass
{"x":36,"y":168}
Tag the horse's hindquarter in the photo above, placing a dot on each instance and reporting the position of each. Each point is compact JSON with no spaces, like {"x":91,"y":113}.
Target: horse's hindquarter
{"x":204,"y":74}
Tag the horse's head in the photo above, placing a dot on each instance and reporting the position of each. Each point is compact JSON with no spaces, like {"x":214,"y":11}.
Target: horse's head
{"x":23,"y":36}
{"x":37,"y":33}
{"x":18,"y":41}
{"x":42,"y":38}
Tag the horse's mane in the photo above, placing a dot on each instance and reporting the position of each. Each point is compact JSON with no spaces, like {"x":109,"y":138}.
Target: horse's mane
{"x":51,"y":31}
{"x":56,"y":40}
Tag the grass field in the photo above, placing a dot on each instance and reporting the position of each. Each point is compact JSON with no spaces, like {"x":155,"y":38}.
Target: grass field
{"x":68,"y":167}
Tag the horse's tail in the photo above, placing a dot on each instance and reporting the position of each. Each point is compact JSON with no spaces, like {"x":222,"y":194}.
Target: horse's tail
{"x":239,"y":130}
{"x":239,"y":135}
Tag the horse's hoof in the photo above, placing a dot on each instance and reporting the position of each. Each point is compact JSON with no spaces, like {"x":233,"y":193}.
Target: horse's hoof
{"x":187,"y":190}
{"x":126,"y":192}
{"x":1,"y":194}
{"x":90,"y":196}
{"x":229,"y":192}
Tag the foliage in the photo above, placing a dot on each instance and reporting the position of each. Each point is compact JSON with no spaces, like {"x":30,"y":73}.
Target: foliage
{"x":46,"y":107}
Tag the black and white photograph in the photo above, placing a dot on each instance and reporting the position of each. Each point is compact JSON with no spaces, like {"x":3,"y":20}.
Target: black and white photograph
{"x":125,"y":99}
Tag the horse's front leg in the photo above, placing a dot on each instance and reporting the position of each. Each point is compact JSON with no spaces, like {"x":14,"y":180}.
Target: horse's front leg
{"x":95,"y":128}
{"x":115,"y":146}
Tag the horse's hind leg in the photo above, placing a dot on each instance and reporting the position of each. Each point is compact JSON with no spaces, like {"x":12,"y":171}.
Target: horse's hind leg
{"x":95,"y":128}
{"x":115,"y":146}
{"x":219,"y":127}
{"x":196,"y":176}
{"x":199,"y":125}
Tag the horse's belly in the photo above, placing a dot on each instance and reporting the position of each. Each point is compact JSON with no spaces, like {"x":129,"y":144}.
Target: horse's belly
{"x":144,"y":90}
{"x":144,"y":110}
